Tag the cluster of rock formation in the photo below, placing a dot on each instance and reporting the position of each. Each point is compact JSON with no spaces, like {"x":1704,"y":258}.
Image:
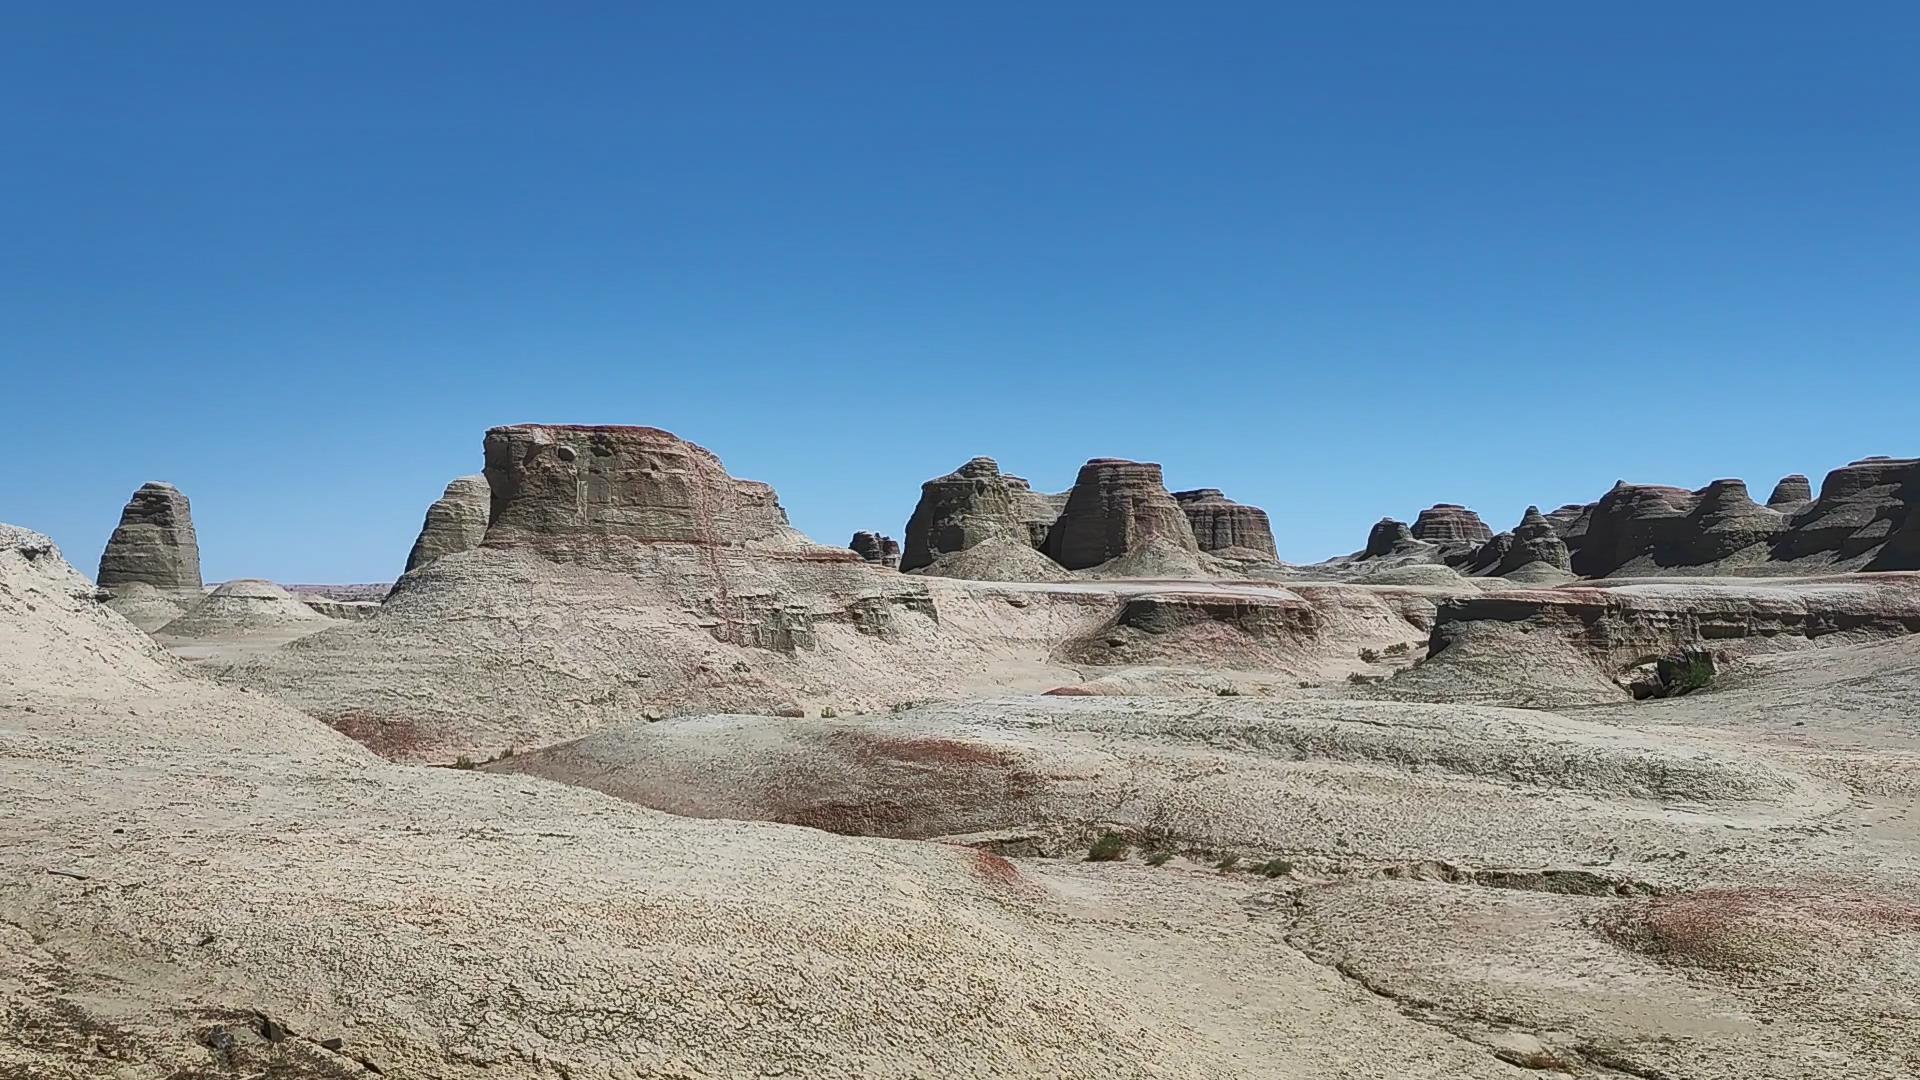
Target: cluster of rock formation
{"x":1115,"y":509}
{"x":877,"y":549}
{"x":1867,"y":517}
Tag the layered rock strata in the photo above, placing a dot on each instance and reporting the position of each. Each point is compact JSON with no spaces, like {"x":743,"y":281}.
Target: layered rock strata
{"x":586,"y":493}
{"x":1117,"y":506}
{"x":457,"y":521}
{"x":1222,"y":526}
{"x":1450,"y":523}
{"x":974,"y":503}
{"x":155,"y":545}
{"x":1535,"y":540}
{"x":1859,"y":508}
{"x":1792,"y":491}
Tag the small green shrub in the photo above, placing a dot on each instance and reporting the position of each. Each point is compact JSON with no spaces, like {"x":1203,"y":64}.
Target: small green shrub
{"x":1370,"y":656}
{"x":828,"y":713}
{"x":464,"y":762}
{"x":1159,"y":858}
{"x":1110,"y":847}
{"x":1276,"y":868}
{"x":1399,"y":648}
{"x":1677,"y":675}
{"x":1228,"y":691}
{"x":1358,"y":678}
{"x":1230,"y":862}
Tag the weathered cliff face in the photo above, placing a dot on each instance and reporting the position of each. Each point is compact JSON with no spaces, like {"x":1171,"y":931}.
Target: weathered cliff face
{"x":1628,"y":625}
{"x":1115,"y":507}
{"x":877,"y":549}
{"x":1630,"y":521}
{"x":154,"y":545}
{"x":1222,"y":526}
{"x":457,"y":521}
{"x":1859,"y":508}
{"x":1450,"y":523}
{"x":1535,"y":540}
{"x":970,"y":505}
{"x":1386,"y":535}
{"x":1037,"y":510}
{"x":1726,"y":521}
{"x":585,"y":493}
{"x":1793,"y":490}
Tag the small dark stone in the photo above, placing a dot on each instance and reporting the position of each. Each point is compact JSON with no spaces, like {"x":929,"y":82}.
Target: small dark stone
{"x":334,"y":1043}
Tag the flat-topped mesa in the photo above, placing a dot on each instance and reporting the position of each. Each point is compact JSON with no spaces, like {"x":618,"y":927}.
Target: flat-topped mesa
{"x":581,"y":492}
{"x":1793,"y":490}
{"x":877,"y":549}
{"x":1386,"y":535}
{"x":154,"y":544}
{"x":1117,"y":506}
{"x":972,"y":504}
{"x":1223,"y":526}
{"x":1859,"y":508}
{"x":1450,"y":523}
{"x":457,"y":521}
{"x":1535,"y":540}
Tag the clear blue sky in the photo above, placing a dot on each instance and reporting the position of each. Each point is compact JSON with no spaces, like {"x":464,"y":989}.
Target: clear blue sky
{"x":1341,"y":264}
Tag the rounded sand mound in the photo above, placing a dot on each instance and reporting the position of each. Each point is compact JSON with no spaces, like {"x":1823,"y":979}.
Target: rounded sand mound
{"x":242,"y":607}
{"x":1155,"y":559}
{"x":145,"y":606}
{"x":997,"y":559}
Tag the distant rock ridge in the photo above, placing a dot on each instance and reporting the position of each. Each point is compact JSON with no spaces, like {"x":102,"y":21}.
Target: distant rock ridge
{"x":1859,"y":508}
{"x":1117,"y":506}
{"x":154,"y":544}
{"x":877,"y":549}
{"x":457,"y":521}
{"x":1222,"y":526}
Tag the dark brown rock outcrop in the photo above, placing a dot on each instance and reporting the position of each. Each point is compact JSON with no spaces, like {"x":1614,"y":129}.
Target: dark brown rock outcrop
{"x":457,"y":521}
{"x":1450,"y":523}
{"x":577,"y":492}
{"x":1631,"y":521}
{"x":875,"y":548}
{"x":1859,"y":508}
{"x":1725,"y":522}
{"x":1115,"y":507}
{"x":1386,"y":535}
{"x":1793,"y":490}
{"x":972,"y":504}
{"x":154,"y":545}
{"x":1222,"y":526}
{"x":1535,"y":540}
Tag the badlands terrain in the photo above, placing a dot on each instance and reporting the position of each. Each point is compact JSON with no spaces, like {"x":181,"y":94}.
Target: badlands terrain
{"x":623,"y":777}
